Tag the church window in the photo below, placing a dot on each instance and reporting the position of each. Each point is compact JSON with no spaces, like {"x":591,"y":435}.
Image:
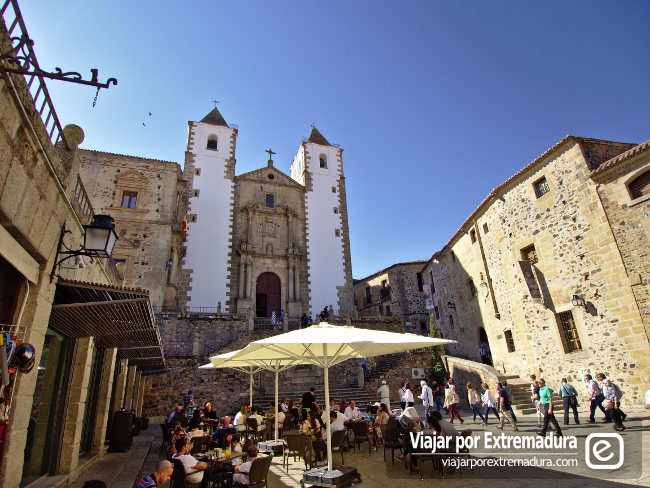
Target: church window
{"x":323,"y":161}
{"x":270,"y":200}
{"x":212,"y":142}
{"x":333,"y":189}
{"x":195,"y":193}
{"x":472,"y":235}
{"x":541,"y":187}
{"x":568,"y":332}
{"x":510,"y":341}
{"x":129,"y":198}
{"x":529,"y":254}
{"x":271,"y":176}
{"x":485,"y":229}
{"x":191,"y":218}
{"x":197,"y":171}
{"x":640,"y":186}
{"x":336,"y":210}
{"x":337,"y":232}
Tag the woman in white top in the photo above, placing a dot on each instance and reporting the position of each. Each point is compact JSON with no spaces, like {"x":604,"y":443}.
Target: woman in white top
{"x":451,"y":400}
{"x":488,"y":403}
{"x":408,"y":395}
{"x":240,"y":419}
{"x":382,"y":418}
{"x":474,"y":401}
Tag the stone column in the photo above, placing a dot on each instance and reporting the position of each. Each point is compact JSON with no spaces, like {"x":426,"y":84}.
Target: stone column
{"x":249,"y":279}
{"x":242,"y":277}
{"x":103,"y":402}
{"x":289,"y":231}
{"x":121,"y":385}
{"x":290,"y":278}
{"x":130,"y":383}
{"x":136,"y":391}
{"x":296,"y":279}
{"x":140,"y":396}
{"x":249,"y":225}
{"x":74,"y":418}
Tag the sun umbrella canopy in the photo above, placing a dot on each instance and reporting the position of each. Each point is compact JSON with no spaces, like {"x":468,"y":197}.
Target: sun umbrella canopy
{"x":326,"y":345}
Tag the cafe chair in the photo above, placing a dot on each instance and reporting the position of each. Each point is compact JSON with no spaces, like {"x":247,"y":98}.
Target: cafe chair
{"x":338,"y":443}
{"x":251,"y":429}
{"x":167,"y":436}
{"x":296,"y":445}
{"x":361,"y":434}
{"x":391,"y":439}
{"x":259,"y":473}
{"x":200,"y":444}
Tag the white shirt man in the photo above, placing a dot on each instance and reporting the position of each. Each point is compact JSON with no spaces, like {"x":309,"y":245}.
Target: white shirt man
{"x":427,"y":395}
{"x":339,"y":416}
{"x":384,"y":395}
{"x":193,"y":468}
{"x":593,"y":389}
{"x":260,"y":420}
{"x":352,"y":412}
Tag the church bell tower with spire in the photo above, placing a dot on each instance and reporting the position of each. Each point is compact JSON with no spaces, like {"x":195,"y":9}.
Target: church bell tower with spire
{"x":318,"y":166}
{"x":210,"y":173}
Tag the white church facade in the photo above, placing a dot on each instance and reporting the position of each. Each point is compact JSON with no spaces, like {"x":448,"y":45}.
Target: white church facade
{"x":263,"y":241}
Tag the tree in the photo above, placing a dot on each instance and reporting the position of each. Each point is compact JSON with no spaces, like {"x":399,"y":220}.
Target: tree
{"x":437,"y":367}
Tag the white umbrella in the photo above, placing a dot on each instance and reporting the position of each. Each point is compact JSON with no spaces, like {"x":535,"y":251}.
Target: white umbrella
{"x":226,"y":360}
{"x":326,"y":345}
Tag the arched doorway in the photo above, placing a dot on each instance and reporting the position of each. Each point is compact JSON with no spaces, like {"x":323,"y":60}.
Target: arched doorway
{"x":483,"y":341}
{"x":267,"y":295}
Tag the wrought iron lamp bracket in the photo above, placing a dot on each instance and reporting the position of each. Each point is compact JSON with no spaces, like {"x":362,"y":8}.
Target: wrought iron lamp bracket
{"x":20,"y":56}
{"x":66,"y":252}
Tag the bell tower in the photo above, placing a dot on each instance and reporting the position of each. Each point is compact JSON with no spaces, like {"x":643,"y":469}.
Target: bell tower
{"x":318,"y":166}
{"x":210,"y":172}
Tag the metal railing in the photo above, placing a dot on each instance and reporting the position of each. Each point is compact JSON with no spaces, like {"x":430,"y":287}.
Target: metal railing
{"x":15,"y":26}
{"x":84,"y":201}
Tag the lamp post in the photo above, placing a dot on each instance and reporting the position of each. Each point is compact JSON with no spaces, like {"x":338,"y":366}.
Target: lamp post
{"x":99,"y":240}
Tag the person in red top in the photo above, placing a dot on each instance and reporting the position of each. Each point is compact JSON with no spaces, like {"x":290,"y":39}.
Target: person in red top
{"x":163,"y":472}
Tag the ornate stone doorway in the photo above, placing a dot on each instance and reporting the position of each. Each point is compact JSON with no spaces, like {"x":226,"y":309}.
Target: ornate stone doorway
{"x":268,"y":295}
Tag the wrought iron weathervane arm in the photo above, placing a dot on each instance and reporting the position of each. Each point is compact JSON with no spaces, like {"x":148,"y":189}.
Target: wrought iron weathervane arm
{"x":19,"y":60}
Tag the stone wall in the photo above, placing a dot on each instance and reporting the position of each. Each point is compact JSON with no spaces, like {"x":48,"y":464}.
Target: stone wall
{"x":464,"y":371}
{"x":402,"y":372}
{"x":185,"y":337}
{"x":150,"y":233}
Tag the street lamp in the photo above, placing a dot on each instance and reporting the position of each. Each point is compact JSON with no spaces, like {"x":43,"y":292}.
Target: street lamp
{"x":578,"y":302}
{"x":99,"y":240}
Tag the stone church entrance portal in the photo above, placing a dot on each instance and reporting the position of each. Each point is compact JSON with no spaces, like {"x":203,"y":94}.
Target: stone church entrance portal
{"x":267,"y":295}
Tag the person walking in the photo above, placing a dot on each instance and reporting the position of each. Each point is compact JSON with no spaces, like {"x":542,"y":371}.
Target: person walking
{"x":546,"y":401}
{"x":569,"y":397}
{"x":383,"y":394}
{"x":474,"y":401}
{"x":534,"y":397}
{"x":408,"y":395}
{"x":427,"y":399}
{"x":401,"y":392}
{"x":600,"y":377}
{"x":438,"y":395}
{"x":488,"y":403}
{"x":596,"y":398}
{"x":612,"y":403}
{"x":508,"y":391}
{"x":504,"y":408}
{"x":483,"y":354}
{"x":451,"y":401}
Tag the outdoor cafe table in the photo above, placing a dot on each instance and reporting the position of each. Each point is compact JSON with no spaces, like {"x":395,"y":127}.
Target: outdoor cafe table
{"x":223,"y":459}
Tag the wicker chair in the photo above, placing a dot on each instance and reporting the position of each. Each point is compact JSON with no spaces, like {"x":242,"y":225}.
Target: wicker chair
{"x":361,"y":434}
{"x":296,"y":446}
{"x":391,"y":439}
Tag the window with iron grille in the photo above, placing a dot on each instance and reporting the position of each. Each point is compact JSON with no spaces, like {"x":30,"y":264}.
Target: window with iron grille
{"x":510,"y":341}
{"x":529,"y":254}
{"x":541,"y":187}
{"x":568,"y":332}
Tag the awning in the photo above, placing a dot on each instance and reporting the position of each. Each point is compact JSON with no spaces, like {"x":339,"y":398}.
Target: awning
{"x":114,"y":316}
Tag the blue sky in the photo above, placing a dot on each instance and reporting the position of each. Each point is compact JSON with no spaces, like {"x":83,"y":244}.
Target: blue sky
{"x":435,"y":103}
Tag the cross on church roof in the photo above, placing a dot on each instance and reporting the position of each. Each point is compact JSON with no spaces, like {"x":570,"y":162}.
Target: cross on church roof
{"x":271,"y":153}
{"x":215,"y":103}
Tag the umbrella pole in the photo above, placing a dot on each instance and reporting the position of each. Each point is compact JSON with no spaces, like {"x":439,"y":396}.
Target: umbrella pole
{"x":251,"y":387}
{"x":277,"y":410}
{"x":328,"y":430}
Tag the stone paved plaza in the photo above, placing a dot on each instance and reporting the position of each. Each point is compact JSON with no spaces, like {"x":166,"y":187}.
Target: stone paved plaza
{"x":121,"y":470}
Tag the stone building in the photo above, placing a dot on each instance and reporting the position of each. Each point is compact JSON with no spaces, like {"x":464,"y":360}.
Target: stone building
{"x":81,"y":323}
{"x":263,"y":241}
{"x":538,"y":273}
{"x":146,"y":199}
{"x":396,"y":290}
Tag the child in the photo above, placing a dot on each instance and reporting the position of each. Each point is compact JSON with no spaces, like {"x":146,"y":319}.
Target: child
{"x":235,"y":446}
{"x":242,"y":470}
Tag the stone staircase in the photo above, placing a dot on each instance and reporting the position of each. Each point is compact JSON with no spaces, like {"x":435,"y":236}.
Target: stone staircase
{"x":521,"y":401}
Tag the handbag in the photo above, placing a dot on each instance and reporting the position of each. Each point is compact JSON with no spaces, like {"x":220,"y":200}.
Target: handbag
{"x":608,"y":404}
